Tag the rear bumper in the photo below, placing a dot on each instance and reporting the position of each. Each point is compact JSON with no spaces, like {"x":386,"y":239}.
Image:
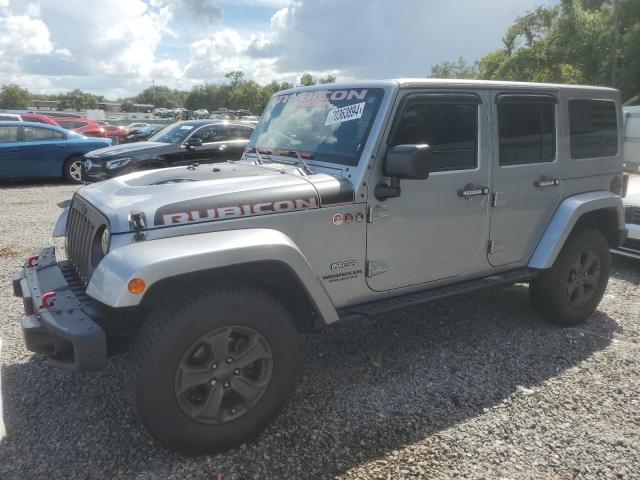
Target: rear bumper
{"x":66,"y":332}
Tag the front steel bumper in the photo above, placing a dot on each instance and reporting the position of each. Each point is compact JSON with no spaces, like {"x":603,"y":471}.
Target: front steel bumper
{"x":66,"y":332}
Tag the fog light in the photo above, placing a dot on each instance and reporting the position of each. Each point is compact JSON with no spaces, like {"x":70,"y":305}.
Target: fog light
{"x":136,"y":286}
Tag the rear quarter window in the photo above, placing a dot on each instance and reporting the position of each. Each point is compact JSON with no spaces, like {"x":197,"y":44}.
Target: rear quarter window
{"x":594,"y":128}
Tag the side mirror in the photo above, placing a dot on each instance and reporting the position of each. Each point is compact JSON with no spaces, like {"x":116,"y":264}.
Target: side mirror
{"x":409,"y":162}
{"x":194,"y":143}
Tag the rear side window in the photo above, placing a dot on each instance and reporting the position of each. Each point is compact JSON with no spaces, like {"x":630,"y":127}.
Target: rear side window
{"x":8,"y":134}
{"x":239,"y":133}
{"x":527,"y":133}
{"x":35,"y":134}
{"x":450,"y":129}
{"x":71,"y":124}
{"x":594,"y":128}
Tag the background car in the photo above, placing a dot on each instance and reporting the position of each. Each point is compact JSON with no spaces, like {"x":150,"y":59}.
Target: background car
{"x":138,"y":125}
{"x":30,"y":150}
{"x":180,"y":143}
{"x":38,"y":118}
{"x":631,"y":247}
{"x":10,"y":117}
{"x":141,"y":134}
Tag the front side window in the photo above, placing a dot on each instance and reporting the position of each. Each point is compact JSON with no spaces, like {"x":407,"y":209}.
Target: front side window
{"x":210,"y":133}
{"x":35,"y":134}
{"x":527,"y":133}
{"x":8,"y":134}
{"x":240,"y":133}
{"x":450,"y":130}
{"x":594,"y":128}
{"x":327,"y":125}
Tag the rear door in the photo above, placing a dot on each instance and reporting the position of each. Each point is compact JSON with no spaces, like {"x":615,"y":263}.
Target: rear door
{"x":42,"y":151}
{"x":526,"y":178}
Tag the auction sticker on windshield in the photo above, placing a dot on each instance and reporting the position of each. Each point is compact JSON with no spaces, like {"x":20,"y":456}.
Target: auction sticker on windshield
{"x":344,"y":114}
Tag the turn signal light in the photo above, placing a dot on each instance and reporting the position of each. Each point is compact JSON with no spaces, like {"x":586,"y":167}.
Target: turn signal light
{"x":136,"y":286}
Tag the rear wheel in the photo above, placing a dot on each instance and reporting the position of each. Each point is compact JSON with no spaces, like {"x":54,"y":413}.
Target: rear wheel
{"x":571,"y":290}
{"x":211,"y":371}
{"x":72,"y":170}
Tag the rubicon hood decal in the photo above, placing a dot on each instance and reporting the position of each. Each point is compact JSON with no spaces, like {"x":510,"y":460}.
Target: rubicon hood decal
{"x":257,"y":202}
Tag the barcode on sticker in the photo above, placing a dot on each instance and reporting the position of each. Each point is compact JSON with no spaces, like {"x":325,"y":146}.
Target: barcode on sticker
{"x":344,"y":114}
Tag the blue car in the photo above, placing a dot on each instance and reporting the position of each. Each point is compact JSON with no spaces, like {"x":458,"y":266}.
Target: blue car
{"x":30,"y":150}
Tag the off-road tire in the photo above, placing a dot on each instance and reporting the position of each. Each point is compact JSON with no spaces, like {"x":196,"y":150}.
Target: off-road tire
{"x":71,"y":170}
{"x":551,"y":293}
{"x":167,"y":336}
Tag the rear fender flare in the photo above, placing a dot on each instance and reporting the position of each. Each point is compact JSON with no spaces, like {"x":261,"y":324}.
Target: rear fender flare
{"x":565,"y":219}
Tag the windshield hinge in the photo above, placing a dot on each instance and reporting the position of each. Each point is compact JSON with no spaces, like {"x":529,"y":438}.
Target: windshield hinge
{"x":377,"y":212}
{"x":375,"y":268}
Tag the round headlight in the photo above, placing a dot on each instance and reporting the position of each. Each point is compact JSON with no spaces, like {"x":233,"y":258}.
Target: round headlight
{"x":104,"y":241}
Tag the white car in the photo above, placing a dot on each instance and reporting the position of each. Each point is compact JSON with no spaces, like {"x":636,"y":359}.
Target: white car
{"x":10,"y":117}
{"x":137,"y":125}
{"x":631,"y":247}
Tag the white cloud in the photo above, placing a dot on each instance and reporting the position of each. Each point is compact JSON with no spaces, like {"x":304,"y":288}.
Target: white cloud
{"x":117,"y":47}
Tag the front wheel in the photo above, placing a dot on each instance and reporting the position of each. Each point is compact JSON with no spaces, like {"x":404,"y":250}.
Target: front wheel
{"x":210,"y":371}
{"x":72,"y":170}
{"x":569,"y":292}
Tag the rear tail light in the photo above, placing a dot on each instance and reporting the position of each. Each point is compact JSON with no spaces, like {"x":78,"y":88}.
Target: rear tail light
{"x":31,"y":261}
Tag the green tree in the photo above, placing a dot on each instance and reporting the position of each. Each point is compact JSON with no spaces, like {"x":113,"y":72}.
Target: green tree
{"x":328,"y":79}
{"x":161,"y":96}
{"x":79,"y":100}
{"x":15,"y":97}
{"x":459,"y":69}
{"x":127,"y":106}
{"x":307,"y":79}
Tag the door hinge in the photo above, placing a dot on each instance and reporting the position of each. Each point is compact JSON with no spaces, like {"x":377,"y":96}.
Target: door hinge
{"x":377,"y":212}
{"x":498,"y":199}
{"x":491,"y":248}
{"x":376,"y":268}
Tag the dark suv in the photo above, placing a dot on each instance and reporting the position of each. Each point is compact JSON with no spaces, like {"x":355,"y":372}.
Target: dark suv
{"x":181,"y":143}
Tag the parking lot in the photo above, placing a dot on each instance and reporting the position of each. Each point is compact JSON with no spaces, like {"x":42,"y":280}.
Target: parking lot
{"x":472,"y":387}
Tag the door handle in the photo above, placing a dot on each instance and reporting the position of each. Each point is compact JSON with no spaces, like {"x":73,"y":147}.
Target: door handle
{"x":471,"y":190}
{"x":545,"y":181}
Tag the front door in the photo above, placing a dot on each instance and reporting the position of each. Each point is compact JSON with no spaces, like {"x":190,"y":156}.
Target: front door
{"x":526,"y":179}
{"x":437,"y":227}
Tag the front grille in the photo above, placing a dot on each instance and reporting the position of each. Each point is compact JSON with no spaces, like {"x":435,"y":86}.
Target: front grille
{"x":83,"y":224}
{"x":632,"y":215}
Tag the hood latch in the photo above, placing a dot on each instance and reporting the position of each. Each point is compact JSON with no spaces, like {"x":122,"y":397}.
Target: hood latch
{"x":138,"y":223}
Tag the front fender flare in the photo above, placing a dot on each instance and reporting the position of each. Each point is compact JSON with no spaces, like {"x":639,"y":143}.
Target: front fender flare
{"x":565,"y":218}
{"x":155,"y":260}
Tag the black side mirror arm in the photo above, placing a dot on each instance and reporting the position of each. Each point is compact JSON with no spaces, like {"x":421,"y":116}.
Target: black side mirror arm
{"x":384,"y":190}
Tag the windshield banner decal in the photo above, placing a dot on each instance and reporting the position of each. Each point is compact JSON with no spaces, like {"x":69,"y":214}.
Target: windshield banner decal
{"x":321,"y":98}
{"x":344,"y":114}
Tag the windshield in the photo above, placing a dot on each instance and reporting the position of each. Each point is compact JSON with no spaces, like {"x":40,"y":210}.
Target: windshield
{"x":174,"y":133}
{"x":325,"y":125}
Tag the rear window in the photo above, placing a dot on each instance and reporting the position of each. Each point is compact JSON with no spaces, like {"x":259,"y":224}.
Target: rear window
{"x":594,"y":128}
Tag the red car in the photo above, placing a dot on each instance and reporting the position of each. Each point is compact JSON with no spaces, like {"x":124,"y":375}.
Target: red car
{"x":115,"y":132}
{"x":38,"y":118}
{"x":89,"y":128}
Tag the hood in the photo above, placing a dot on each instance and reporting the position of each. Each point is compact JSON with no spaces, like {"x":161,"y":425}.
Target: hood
{"x":125,"y":149}
{"x":206,"y":193}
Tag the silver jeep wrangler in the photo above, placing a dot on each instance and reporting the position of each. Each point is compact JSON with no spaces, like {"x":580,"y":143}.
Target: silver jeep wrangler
{"x":350,"y":201}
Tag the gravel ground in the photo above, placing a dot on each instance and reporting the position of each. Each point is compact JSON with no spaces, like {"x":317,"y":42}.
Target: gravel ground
{"x":473,"y":387}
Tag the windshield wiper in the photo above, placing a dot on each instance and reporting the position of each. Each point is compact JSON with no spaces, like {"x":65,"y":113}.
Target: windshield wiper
{"x":257,"y":152}
{"x":299,"y":156}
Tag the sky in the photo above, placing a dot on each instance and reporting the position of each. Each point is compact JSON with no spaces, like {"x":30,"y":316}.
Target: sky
{"x":116,"y":48}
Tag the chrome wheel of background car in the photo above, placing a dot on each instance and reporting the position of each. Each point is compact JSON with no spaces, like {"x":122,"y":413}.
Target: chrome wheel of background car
{"x":223,"y":374}
{"x":75,"y":170}
{"x":584,"y":277}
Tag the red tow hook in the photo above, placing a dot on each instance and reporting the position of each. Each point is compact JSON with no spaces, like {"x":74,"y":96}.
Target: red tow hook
{"x":47,"y":299}
{"x":31,"y":261}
